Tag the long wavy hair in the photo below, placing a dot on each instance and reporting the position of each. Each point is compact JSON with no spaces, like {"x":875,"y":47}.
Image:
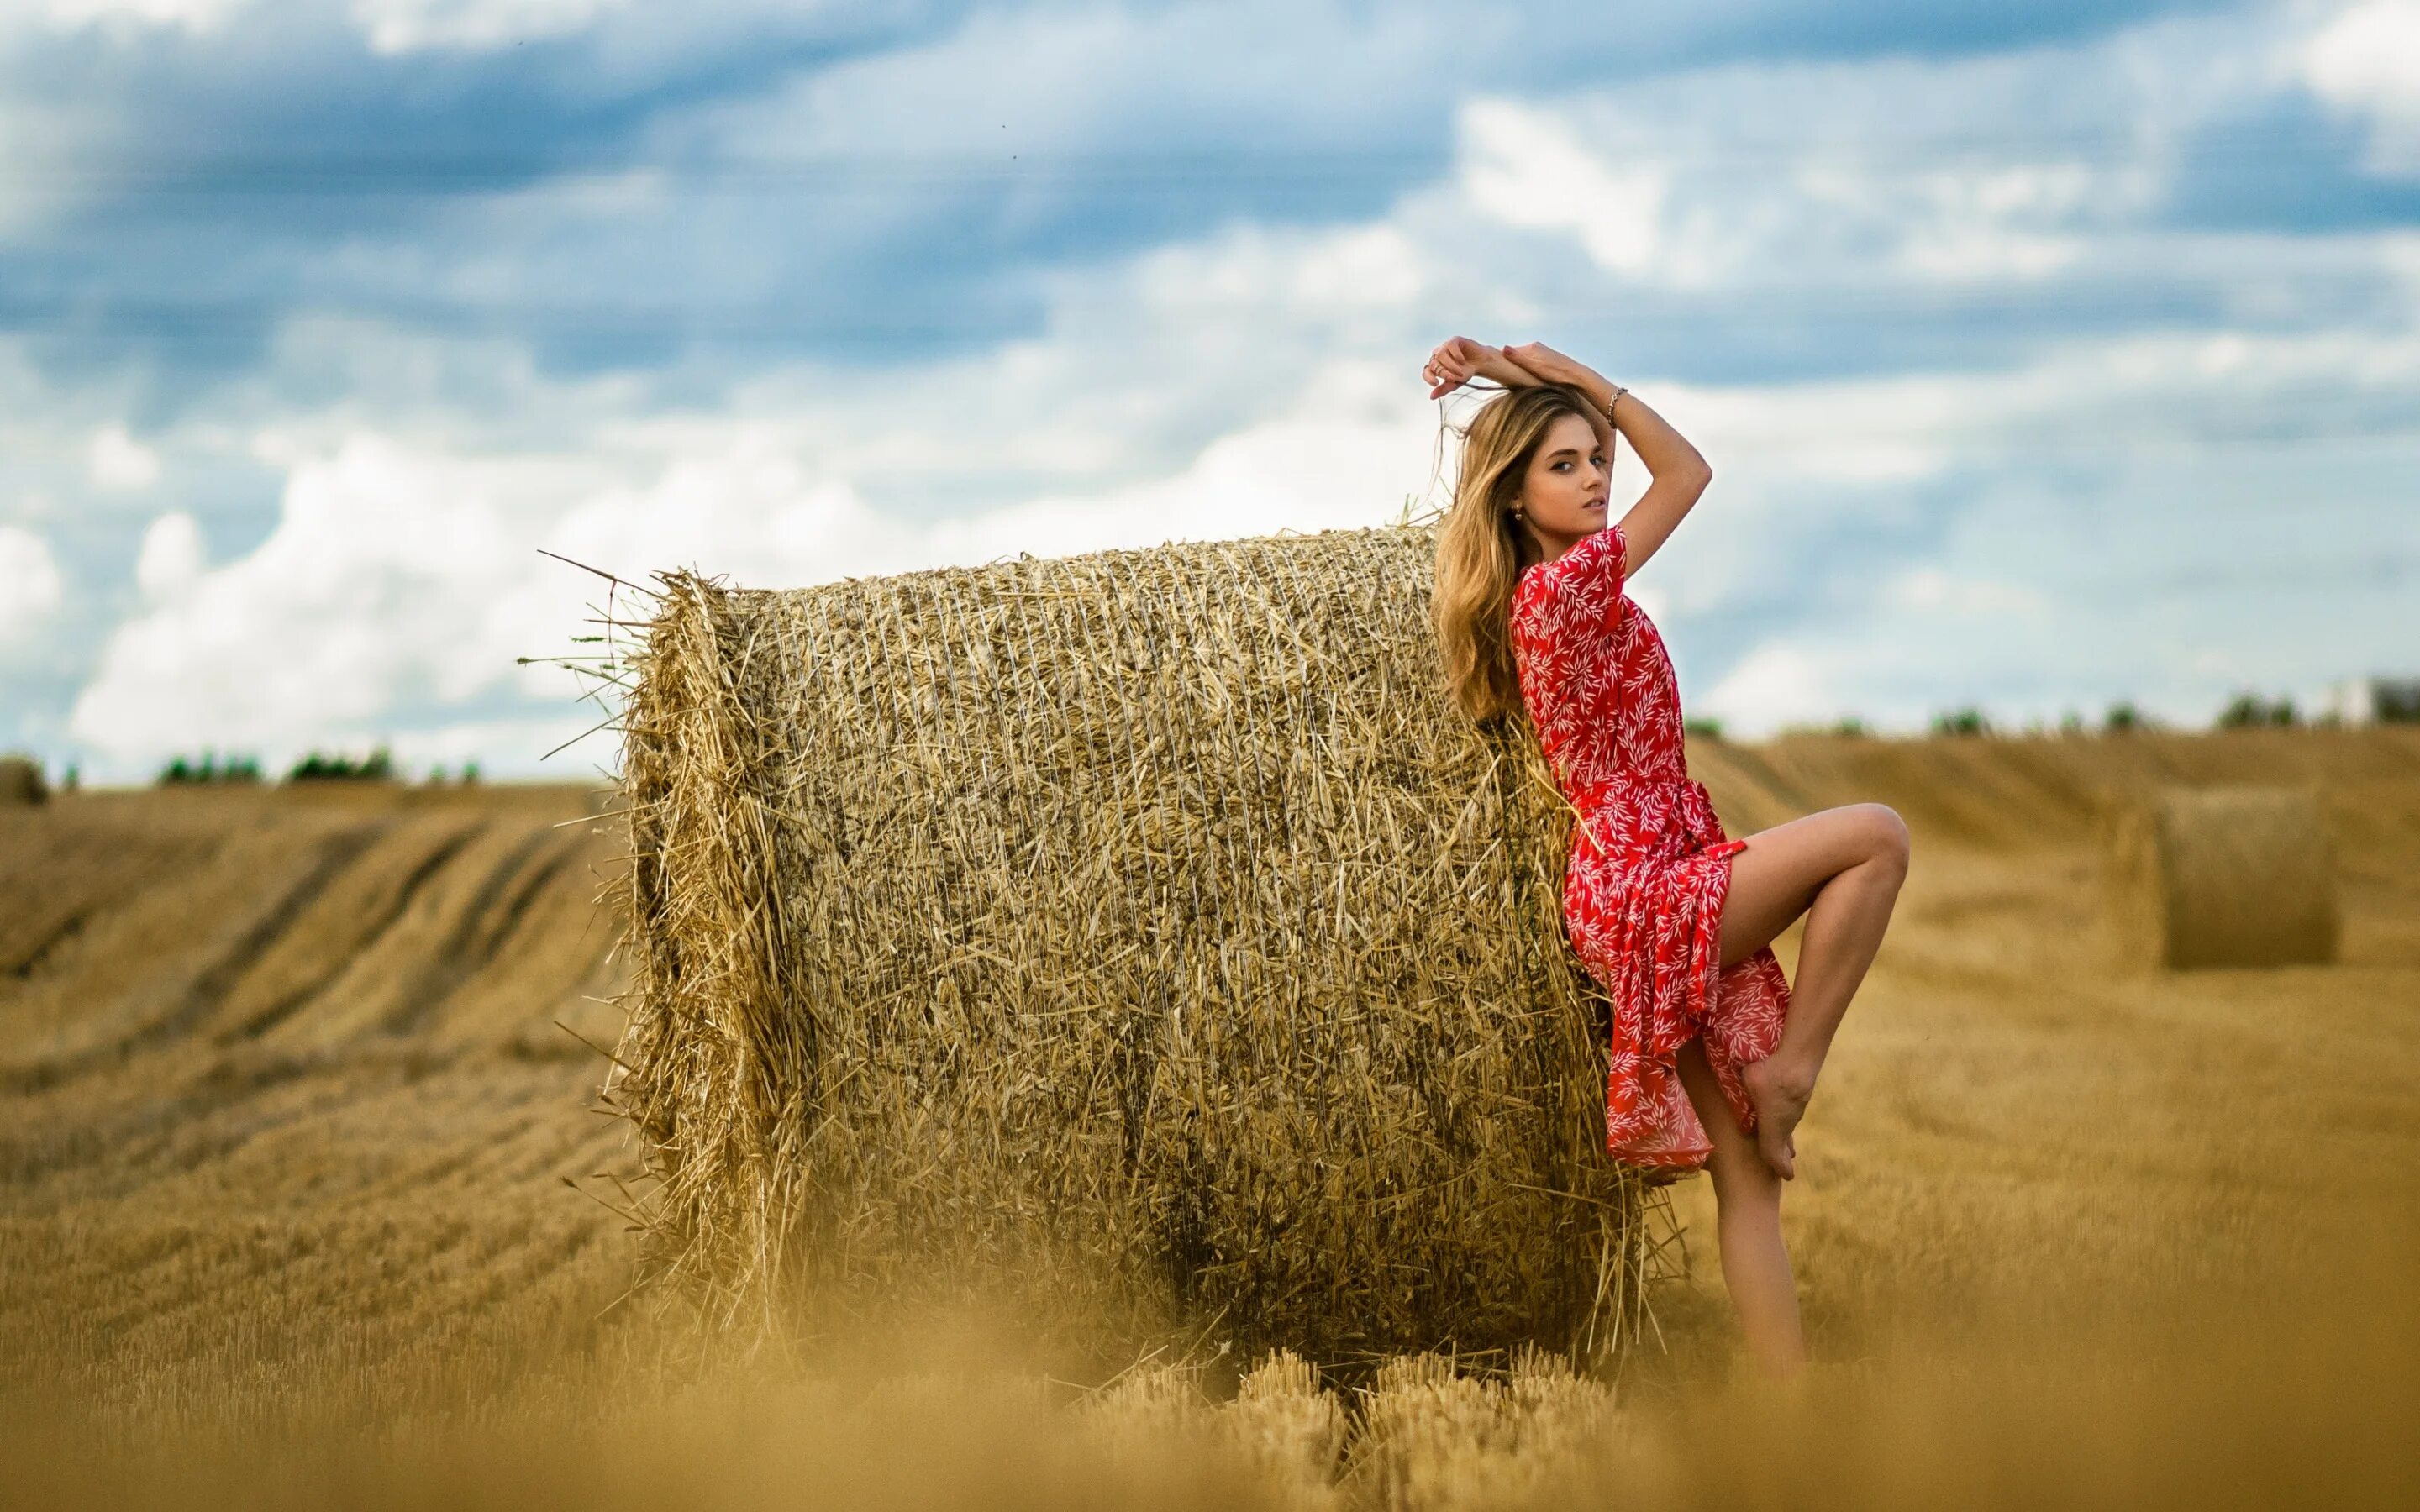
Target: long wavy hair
{"x":1482,"y":548}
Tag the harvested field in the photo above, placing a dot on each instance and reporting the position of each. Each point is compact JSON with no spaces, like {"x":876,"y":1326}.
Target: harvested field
{"x":283,"y":1083}
{"x":285,"y":1125}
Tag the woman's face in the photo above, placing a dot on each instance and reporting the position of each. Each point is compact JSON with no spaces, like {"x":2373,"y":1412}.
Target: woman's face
{"x":1563,"y":494}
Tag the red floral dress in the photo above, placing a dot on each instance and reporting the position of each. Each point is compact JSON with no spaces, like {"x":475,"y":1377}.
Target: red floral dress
{"x":1650,"y":865}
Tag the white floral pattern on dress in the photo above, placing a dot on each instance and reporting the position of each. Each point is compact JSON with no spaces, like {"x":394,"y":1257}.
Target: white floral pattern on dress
{"x":1650,"y":865}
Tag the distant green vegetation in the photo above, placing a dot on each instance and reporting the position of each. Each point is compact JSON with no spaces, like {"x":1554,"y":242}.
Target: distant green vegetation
{"x":2247,"y":709}
{"x":377,"y":766}
{"x":1710,"y":729}
{"x":1846,"y":725}
{"x":1964,"y":720}
{"x":211,"y":767}
{"x":318,"y":766}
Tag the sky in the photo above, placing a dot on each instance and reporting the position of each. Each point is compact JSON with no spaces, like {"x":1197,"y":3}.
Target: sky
{"x":2046,"y":355}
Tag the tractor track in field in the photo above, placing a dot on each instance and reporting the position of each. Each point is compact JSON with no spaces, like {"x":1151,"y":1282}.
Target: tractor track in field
{"x":266,"y":1056}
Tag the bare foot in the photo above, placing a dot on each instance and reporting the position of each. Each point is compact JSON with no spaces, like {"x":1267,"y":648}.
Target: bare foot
{"x":1780,"y":1099}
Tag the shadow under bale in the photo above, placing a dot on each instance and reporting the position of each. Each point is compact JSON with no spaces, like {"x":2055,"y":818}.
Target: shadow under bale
{"x":1139,"y":938}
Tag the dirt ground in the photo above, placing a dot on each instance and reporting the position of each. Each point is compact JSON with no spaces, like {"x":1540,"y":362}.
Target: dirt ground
{"x":298,"y":1137}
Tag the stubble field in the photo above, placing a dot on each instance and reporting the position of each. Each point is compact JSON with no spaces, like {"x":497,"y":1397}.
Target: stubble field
{"x":292,"y":1082}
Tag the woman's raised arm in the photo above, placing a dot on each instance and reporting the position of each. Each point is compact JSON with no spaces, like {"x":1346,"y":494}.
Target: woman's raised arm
{"x":1680,"y":473}
{"x":1458,"y":360}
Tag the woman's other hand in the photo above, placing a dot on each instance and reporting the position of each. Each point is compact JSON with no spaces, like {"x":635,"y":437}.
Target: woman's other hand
{"x":1459,"y":359}
{"x":1546,"y":365}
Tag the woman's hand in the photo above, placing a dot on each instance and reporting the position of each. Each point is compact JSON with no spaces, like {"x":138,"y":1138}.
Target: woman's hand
{"x":1459,"y":359}
{"x":1546,"y":365}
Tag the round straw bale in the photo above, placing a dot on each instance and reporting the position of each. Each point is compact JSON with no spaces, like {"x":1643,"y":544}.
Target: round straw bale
{"x":1141,"y":931}
{"x":2223,"y":877}
{"x":20,"y":782}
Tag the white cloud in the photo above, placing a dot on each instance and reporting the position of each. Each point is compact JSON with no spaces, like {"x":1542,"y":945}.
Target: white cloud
{"x":415,"y":25}
{"x":355,"y":604}
{"x":1968,"y":228}
{"x":116,"y":460}
{"x":736,"y":501}
{"x":170,"y":560}
{"x":190,"y":15}
{"x":1929,"y":588}
{"x":1283,"y":475}
{"x":49,"y":138}
{"x":400,"y":572}
{"x":1837,"y":178}
{"x":31,"y":586}
{"x":2367,"y":60}
{"x":1772,"y":685}
{"x":1523,"y":166}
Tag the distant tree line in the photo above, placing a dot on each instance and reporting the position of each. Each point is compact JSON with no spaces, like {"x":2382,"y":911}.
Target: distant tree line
{"x":377,"y":766}
{"x":208,"y":767}
{"x":315,"y":766}
{"x":2244,"y":709}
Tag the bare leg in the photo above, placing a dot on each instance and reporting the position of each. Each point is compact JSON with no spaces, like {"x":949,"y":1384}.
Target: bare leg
{"x":1841,"y":868}
{"x":1748,"y":1205}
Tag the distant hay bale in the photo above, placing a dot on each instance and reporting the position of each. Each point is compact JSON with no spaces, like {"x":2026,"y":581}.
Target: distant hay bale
{"x":20,"y":782}
{"x":1141,"y":933}
{"x":2223,"y":877}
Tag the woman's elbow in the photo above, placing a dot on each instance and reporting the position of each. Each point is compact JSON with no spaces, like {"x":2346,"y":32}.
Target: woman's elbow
{"x":1684,"y":467}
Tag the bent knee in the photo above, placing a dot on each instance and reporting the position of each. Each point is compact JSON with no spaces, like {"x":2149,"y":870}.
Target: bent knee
{"x":1886,"y":834}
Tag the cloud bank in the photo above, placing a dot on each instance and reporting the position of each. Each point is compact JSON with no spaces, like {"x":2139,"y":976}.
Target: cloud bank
{"x":2043,"y":362}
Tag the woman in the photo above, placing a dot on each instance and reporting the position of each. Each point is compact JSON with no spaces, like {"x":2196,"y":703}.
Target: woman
{"x":1713,"y":1052}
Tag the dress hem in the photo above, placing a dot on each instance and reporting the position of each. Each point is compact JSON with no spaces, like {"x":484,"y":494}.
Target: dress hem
{"x":1701,"y":1012}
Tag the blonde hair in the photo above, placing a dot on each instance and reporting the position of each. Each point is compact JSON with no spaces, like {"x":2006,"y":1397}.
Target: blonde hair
{"x":1482,"y":548}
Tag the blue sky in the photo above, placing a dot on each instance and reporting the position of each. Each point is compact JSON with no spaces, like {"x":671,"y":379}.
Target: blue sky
{"x":2046,"y":355}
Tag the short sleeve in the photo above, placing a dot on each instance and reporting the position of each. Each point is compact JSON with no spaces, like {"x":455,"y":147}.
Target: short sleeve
{"x":1587,"y":578}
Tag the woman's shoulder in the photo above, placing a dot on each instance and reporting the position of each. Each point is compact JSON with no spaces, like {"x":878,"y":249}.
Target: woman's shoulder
{"x":1594,"y":552}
